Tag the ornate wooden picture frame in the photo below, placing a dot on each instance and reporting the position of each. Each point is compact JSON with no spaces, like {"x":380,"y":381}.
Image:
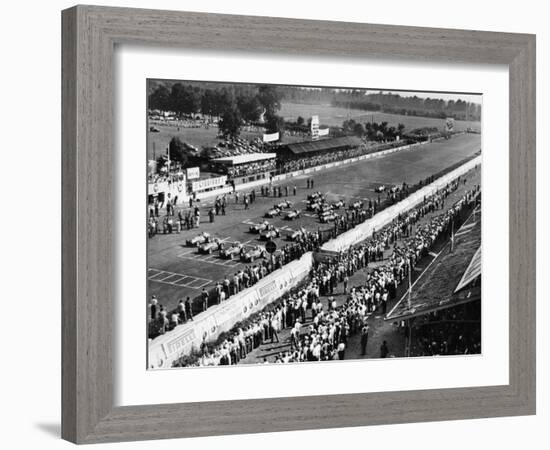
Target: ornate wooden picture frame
{"x":90,"y":34}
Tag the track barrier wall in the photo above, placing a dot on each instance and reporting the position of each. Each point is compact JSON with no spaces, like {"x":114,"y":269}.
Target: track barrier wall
{"x":208,"y":325}
{"x":365,"y":229}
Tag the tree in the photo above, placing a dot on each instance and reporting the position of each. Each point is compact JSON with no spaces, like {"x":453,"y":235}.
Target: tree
{"x":249,"y":107}
{"x":300,"y":121}
{"x":358,"y":129}
{"x":230,"y":122}
{"x":348,"y":125}
{"x":270,"y":98}
{"x":160,"y":98}
{"x":208,"y":102}
{"x":274,"y":124}
{"x":161,"y":163}
{"x":178,"y":151}
{"x":185,"y":99}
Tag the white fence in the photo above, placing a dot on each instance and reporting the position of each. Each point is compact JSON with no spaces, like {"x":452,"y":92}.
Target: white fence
{"x":365,"y":229}
{"x":165,"y":349}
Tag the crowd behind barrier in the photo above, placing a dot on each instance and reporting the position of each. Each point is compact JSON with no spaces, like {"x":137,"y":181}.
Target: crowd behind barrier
{"x":453,"y":331}
{"x":326,"y":338}
{"x":162,"y":320}
{"x":250,"y":169}
{"x":234,"y":146}
{"x":293,"y":164}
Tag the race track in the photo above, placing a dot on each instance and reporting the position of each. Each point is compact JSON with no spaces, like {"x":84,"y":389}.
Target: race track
{"x":177,"y":271}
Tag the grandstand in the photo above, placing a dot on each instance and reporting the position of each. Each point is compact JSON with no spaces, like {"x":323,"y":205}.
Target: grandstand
{"x":452,"y":279}
{"x":317,"y":148}
{"x":245,"y":168}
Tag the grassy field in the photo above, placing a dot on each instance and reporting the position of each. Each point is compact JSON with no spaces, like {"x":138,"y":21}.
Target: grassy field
{"x":334,"y":116}
{"x":170,"y":260}
{"x":328,"y":115}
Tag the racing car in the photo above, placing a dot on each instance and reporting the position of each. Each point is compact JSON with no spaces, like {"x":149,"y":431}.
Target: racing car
{"x":210,"y":246}
{"x":315,"y":196}
{"x":253,"y":253}
{"x":284,"y":205}
{"x":275,"y":211}
{"x":270,"y":233}
{"x":198,"y":240}
{"x":292,"y":235}
{"x":258,"y":227}
{"x":317,"y":205}
{"x":329,"y":217}
{"x":234,"y":250}
{"x":291,"y":215}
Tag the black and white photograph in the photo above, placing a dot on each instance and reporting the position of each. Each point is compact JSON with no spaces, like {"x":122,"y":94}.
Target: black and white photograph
{"x":299,"y":224}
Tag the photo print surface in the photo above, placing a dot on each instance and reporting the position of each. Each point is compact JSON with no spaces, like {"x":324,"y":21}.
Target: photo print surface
{"x":299,"y":224}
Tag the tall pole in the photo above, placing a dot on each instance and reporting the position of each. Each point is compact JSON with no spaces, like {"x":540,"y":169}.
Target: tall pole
{"x":409,"y":325}
{"x":409,"y":291}
{"x":452,"y":235}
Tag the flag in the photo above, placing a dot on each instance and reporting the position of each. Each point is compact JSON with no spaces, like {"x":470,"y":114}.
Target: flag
{"x":452,"y":236}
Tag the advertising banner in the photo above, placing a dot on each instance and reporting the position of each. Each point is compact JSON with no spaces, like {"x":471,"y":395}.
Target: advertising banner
{"x":314,"y":127}
{"x":208,"y":183}
{"x":193,"y":173}
{"x":271,"y":137}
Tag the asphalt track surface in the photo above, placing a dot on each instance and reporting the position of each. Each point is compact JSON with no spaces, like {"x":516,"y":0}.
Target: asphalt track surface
{"x":176,"y":271}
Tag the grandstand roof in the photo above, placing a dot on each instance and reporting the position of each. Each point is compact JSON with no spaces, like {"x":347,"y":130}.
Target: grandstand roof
{"x":244,"y":159}
{"x":299,"y":148}
{"x":449,"y":280}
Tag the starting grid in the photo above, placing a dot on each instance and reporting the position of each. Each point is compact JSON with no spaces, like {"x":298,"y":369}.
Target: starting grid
{"x":177,"y":279}
{"x":283,"y":228}
{"x":214,"y":258}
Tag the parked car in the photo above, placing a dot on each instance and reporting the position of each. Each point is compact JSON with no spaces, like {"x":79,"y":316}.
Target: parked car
{"x":234,"y":250}
{"x":210,"y":246}
{"x":198,"y":240}
{"x":380,"y":188}
{"x":258,"y":227}
{"x":356,"y":205}
{"x":339,"y":204}
{"x":291,"y":215}
{"x":253,"y":253}
{"x":154,"y":130}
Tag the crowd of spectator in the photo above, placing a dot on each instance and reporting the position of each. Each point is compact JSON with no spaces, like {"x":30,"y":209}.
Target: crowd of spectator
{"x":234,"y":146}
{"x":305,"y":162}
{"x":452,"y":331}
{"x":162,"y":320}
{"x":326,"y":337}
{"x":252,"y":168}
